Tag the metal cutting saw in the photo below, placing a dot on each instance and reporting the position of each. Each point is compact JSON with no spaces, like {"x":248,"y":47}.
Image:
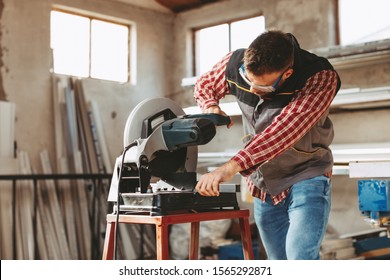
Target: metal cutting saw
{"x":156,"y":172}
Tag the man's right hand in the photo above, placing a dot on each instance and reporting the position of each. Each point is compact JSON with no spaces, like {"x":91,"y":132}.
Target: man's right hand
{"x":217,"y":110}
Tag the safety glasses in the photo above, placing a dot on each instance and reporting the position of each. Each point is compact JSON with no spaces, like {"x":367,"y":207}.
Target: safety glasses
{"x":272,"y":88}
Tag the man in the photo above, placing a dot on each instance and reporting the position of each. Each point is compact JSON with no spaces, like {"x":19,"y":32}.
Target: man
{"x":284,"y":93}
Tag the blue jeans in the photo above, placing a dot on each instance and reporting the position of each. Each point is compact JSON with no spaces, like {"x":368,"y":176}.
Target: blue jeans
{"x":294,"y":228}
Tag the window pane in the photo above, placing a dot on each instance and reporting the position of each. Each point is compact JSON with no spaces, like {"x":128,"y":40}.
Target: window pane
{"x":70,"y":44}
{"x":109,"y":51}
{"x":212,"y":45}
{"x":363,"y":21}
{"x":243,"y":32}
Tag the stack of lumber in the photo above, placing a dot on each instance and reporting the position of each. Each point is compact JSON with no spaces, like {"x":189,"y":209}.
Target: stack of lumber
{"x":338,"y":249}
{"x":70,"y":136}
{"x":81,"y":148}
{"x":62,"y":219}
{"x":77,"y":152}
{"x":8,"y":165}
{"x":7,"y":129}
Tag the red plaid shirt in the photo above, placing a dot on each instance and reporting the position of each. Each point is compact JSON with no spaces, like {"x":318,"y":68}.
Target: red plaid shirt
{"x":297,"y":118}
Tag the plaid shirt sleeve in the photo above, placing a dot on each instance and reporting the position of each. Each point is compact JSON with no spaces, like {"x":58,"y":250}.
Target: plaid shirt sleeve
{"x":212,"y":85}
{"x":295,"y":120}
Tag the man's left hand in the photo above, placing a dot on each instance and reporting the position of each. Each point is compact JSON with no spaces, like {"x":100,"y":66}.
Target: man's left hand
{"x":208,"y":184}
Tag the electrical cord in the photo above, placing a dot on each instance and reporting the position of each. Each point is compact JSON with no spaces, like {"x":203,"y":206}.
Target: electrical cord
{"x":119,"y":195}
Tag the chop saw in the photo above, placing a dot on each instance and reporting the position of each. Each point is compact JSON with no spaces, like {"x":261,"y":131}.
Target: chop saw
{"x":156,"y":172}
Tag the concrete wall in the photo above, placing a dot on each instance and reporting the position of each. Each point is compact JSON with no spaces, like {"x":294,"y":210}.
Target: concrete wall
{"x":26,"y":61}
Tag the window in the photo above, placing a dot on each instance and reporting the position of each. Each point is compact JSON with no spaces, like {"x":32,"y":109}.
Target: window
{"x":89,"y":47}
{"x":213,"y":42}
{"x":363,"y":21}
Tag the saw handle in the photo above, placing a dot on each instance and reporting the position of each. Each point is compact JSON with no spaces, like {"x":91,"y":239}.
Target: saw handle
{"x":217,"y":119}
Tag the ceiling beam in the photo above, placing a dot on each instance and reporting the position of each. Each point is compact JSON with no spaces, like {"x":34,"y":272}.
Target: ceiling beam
{"x":184,"y":5}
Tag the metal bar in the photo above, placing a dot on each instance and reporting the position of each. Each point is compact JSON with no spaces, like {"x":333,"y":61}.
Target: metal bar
{"x":92,"y":218}
{"x":98,"y":184}
{"x":36,"y":177}
{"x":35,"y":220}
{"x":14,"y":218}
{"x":54,"y":176}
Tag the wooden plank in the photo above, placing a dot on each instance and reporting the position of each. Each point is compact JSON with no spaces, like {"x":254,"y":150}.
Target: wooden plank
{"x":7,"y":129}
{"x":7,"y":166}
{"x":96,"y":192}
{"x":96,"y":141}
{"x":84,"y":227}
{"x":108,"y":166}
{"x":25,"y":199}
{"x":52,"y":247}
{"x":68,"y":210}
{"x":72,"y":138}
{"x":75,"y":165}
{"x":70,"y":160}
{"x":101,"y":212}
{"x":42,"y":247}
{"x":58,"y":136}
{"x":55,"y":211}
{"x":76,"y":189}
{"x":85,"y":128}
{"x":18,"y":225}
{"x":64,"y":186}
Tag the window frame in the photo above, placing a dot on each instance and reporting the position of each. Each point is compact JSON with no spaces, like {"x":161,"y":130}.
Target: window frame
{"x":338,"y":29}
{"x":229,"y":23}
{"x":131,"y":62}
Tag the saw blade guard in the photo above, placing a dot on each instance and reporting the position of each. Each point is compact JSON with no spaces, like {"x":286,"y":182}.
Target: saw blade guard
{"x":145,"y":109}
{"x":135,"y":128}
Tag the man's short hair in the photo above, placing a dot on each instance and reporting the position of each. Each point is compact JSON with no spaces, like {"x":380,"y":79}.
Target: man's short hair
{"x":270,"y":52}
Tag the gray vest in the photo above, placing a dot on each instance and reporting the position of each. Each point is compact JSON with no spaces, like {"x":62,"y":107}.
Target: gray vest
{"x":307,"y":158}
